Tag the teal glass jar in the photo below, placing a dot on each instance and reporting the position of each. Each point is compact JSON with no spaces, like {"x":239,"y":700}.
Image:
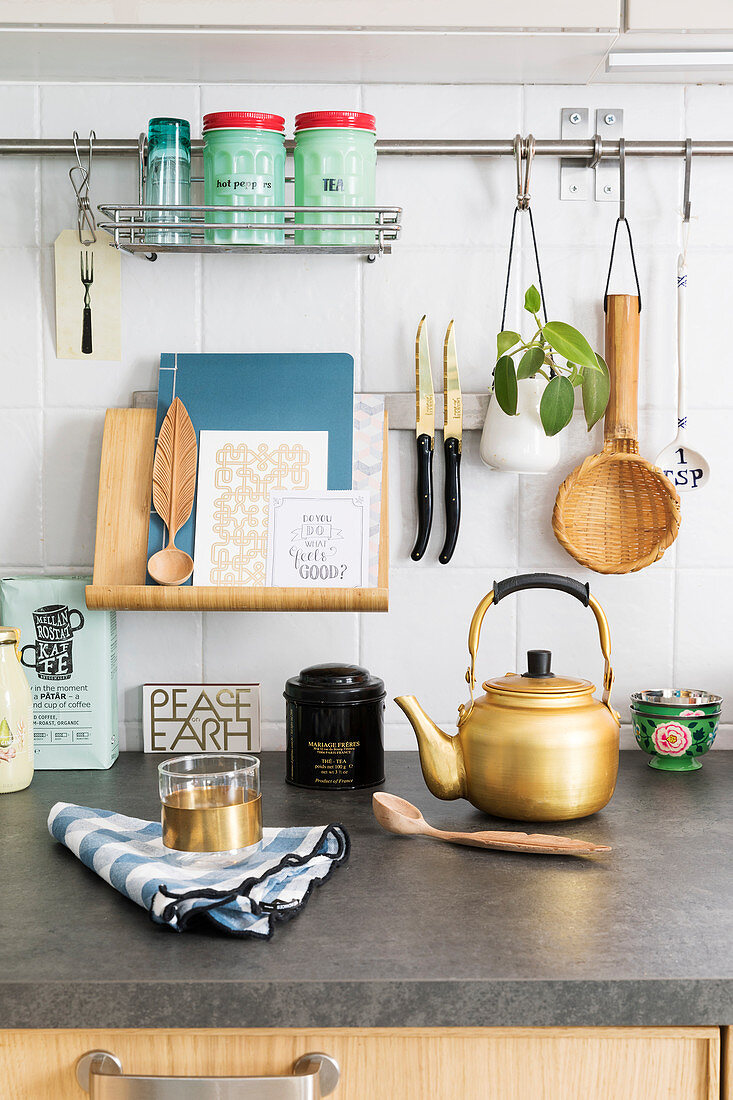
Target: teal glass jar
{"x":335,"y":168}
{"x":244,"y":165}
{"x":168,"y":178}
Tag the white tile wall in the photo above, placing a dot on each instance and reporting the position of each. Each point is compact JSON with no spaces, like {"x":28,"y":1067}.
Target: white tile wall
{"x":288,"y":302}
{"x":22,"y":536}
{"x":671,"y":624}
{"x":271,"y":647}
{"x":20,"y":357}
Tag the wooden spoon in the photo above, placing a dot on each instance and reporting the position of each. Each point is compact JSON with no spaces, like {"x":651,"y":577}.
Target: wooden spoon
{"x":174,"y":485}
{"x":171,"y":565}
{"x":396,"y":815}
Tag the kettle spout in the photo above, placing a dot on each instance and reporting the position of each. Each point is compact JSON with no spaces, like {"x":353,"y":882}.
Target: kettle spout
{"x":441,"y":756}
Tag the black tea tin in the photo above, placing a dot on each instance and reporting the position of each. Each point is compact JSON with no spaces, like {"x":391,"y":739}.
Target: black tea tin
{"x":334,"y":717}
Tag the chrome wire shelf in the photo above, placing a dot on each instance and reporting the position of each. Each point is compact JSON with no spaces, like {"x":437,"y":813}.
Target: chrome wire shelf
{"x":135,"y":227}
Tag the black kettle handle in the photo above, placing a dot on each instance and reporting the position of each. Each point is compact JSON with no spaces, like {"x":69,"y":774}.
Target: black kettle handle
{"x":521,"y":583}
{"x":538,"y":580}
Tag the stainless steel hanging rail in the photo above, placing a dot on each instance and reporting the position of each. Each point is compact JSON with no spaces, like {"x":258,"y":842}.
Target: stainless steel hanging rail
{"x":575,"y":149}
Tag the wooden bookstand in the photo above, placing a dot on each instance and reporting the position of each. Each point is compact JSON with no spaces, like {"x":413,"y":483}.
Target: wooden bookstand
{"x":120,"y":557}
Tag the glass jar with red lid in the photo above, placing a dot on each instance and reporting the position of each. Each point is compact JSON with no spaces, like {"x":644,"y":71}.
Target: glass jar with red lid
{"x":335,"y":168}
{"x":244,"y":166}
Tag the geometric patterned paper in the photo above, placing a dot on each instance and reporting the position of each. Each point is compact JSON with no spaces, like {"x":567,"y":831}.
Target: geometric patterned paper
{"x":237,"y":472}
{"x":368,"y":459}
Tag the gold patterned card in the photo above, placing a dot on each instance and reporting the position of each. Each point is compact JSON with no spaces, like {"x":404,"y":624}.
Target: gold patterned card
{"x":237,"y":473}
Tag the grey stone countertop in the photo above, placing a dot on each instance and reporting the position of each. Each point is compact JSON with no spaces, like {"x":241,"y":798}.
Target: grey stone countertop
{"x":409,"y":933}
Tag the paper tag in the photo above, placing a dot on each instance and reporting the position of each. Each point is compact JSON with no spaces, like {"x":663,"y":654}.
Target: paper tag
{"x":88,"y":320}
{"x":318,"y":539}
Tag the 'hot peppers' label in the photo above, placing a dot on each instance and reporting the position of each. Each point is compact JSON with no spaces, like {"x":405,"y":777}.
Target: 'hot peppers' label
{"x":236,"y":184}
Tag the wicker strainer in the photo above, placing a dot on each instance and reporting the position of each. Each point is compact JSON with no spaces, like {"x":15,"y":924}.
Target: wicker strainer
{"x":616,"y":512}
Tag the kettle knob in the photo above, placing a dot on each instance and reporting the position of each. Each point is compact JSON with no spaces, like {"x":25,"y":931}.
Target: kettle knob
{"x":538,"y":664}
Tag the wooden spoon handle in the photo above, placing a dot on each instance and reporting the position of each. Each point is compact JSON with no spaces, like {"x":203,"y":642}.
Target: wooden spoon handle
{"x":622,"y":357}
{"x":520,"y":842}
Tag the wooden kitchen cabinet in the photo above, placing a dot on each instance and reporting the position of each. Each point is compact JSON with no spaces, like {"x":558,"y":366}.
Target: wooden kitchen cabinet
{"x":361,"y":41}
{"x":400,"y":1064}
{"x":561,"y":15}
{"x":679,"y":16}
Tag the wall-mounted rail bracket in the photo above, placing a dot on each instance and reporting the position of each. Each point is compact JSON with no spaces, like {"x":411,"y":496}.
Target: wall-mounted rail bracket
{"x":574,"y":175}
{"x":609,"y":124}
{"x":577,"y":182}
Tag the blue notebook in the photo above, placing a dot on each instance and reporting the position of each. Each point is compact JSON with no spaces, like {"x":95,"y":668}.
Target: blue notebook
{"x":289,"y":392}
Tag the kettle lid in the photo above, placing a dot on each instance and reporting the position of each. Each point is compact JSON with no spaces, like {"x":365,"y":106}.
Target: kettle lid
{"x":539,"y":679}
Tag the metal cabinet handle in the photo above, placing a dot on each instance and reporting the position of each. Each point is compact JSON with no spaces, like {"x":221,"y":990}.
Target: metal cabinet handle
{"x":100,"y":1074}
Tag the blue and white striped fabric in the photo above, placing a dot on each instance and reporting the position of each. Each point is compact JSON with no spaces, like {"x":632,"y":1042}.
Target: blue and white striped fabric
{"x":245,"y":897}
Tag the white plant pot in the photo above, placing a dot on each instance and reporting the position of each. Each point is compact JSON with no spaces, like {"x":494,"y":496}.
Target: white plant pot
{"x":518,"y":443}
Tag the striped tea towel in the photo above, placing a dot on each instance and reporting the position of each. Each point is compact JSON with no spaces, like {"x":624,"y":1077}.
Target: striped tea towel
{"x":243,"y":896}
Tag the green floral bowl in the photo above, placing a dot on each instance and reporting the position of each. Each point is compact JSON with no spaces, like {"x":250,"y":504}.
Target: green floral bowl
{"x":675,"y":727}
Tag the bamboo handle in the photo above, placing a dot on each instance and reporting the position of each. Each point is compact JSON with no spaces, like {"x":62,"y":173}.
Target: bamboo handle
{"x":622,"y":357}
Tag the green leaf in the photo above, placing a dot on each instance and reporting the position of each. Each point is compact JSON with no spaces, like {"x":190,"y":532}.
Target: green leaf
{"x":530,"y":363}
{"x":532,"y":300}
{"x":506,"y":340}
{"x":570,"y":343}
{"x":505,"y":385}
{"x":556,"y":406}
{"x":596,"y":390}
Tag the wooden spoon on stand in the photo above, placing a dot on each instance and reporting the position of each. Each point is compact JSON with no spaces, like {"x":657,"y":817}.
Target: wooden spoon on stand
{"x":396,"y":815}
{"x":174,"y":486}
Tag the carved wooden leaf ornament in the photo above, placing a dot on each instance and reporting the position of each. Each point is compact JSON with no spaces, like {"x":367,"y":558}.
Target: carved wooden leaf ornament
{"x":174,"y":469}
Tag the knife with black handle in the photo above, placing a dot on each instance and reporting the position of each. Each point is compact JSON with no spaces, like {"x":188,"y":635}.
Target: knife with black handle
{"x":424,"y":495}
{"x":425,"y":432}
{"x":452,"y":448}
{"x":452,"y":442}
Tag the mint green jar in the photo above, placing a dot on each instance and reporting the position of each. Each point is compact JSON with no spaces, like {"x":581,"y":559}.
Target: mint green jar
{"x":244,"y":165}
{"x":335,"y":168}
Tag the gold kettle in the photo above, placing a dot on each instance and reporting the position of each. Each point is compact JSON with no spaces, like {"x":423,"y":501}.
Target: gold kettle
{"x":535,"y":747}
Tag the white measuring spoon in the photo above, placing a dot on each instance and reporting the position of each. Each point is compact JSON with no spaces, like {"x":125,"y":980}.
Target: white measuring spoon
{"x":685,"y":468}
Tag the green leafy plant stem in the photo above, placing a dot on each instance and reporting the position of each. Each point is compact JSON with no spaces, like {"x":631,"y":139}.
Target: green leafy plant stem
{"x":571,"y":362}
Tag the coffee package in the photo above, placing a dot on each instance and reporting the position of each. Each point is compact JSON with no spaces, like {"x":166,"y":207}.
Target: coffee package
{"x":70,"y":658}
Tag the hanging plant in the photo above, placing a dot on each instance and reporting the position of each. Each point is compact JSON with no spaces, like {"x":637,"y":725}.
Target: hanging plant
{"x":552,"y":343}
